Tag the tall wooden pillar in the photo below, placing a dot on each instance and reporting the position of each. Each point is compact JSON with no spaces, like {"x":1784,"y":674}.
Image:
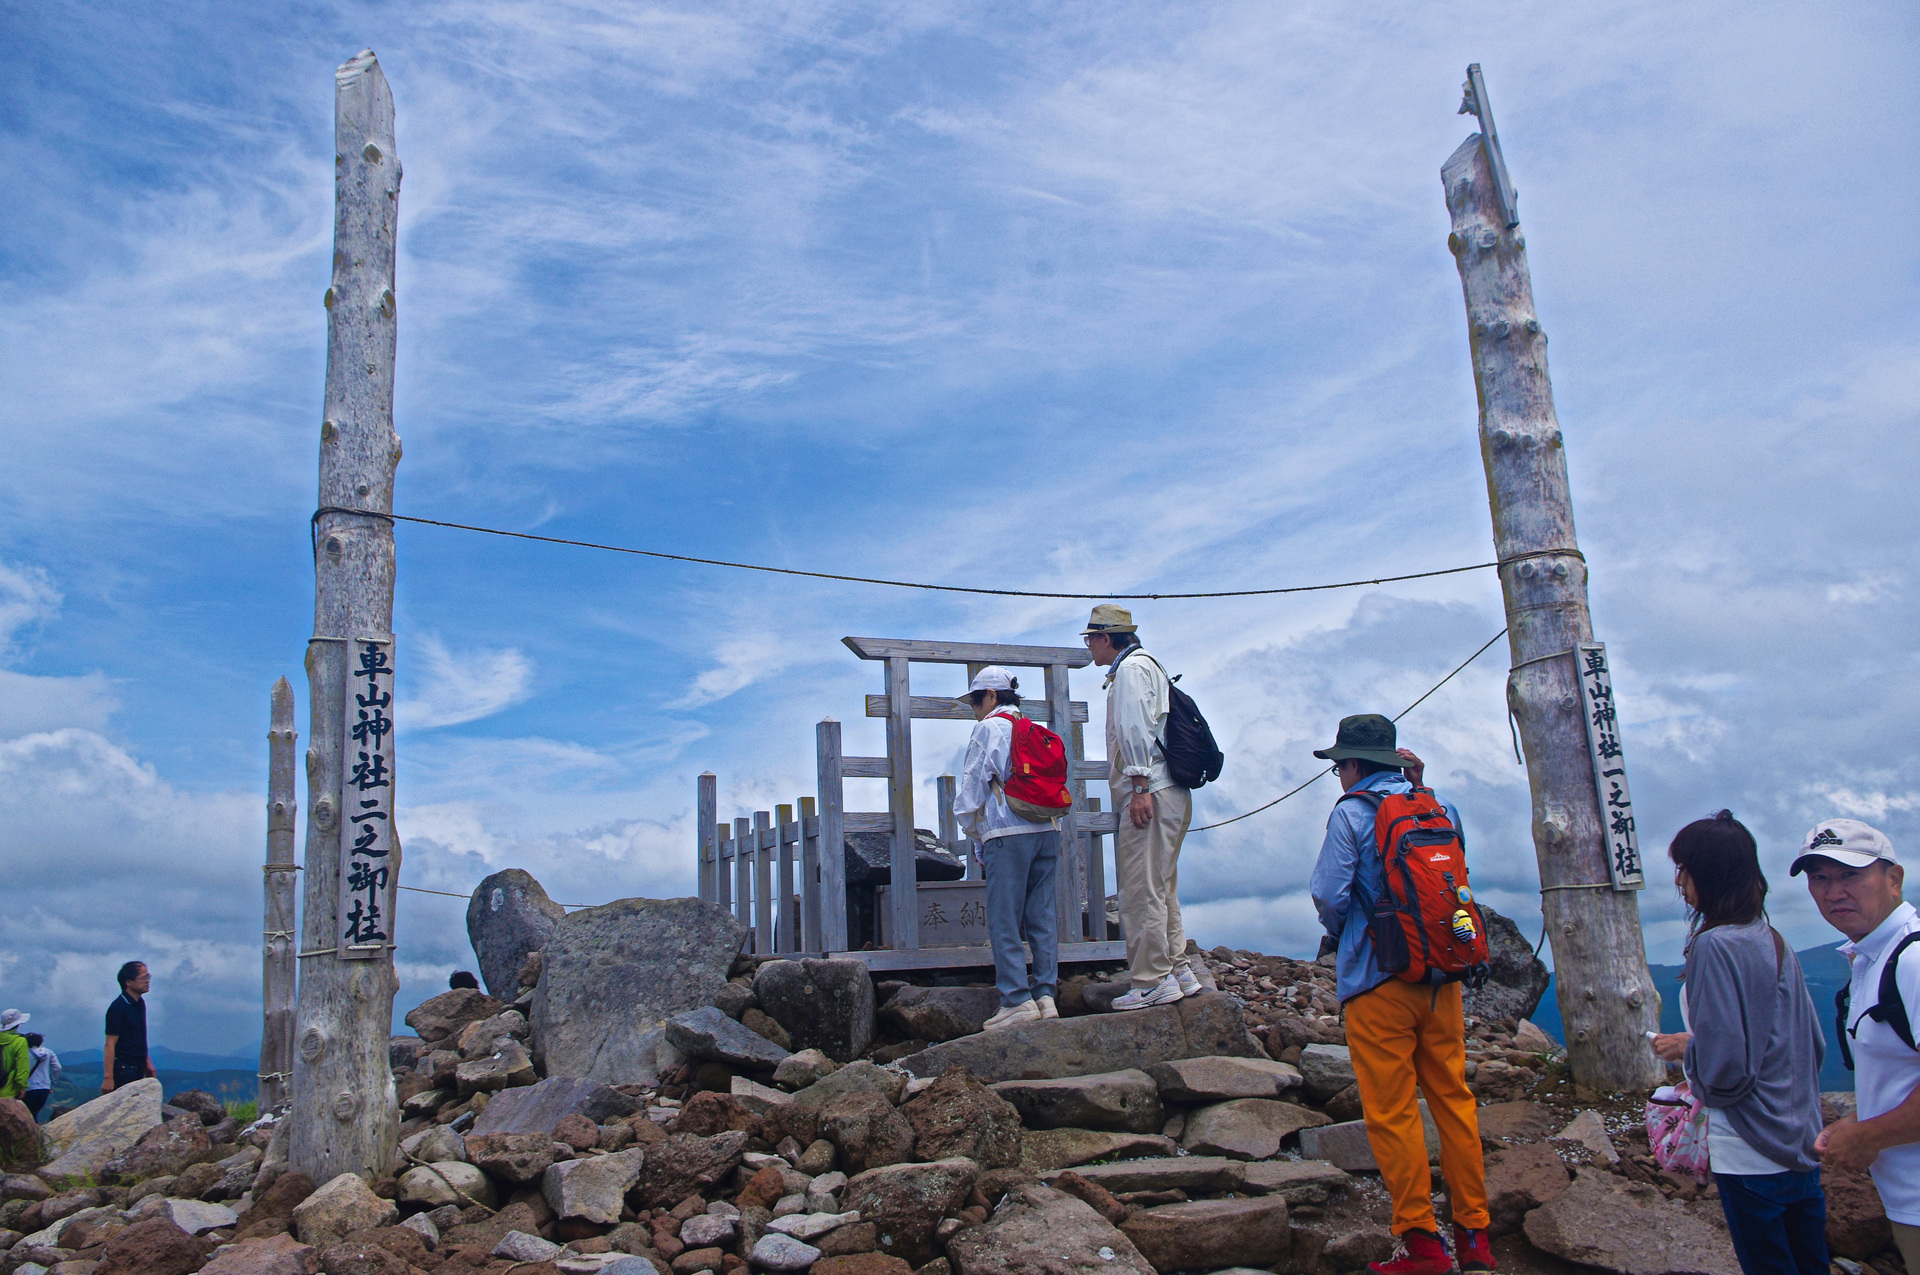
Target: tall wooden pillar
{"x":277,"y":962}
{"x":344,"y":1118}
{"x":1607,"y":999}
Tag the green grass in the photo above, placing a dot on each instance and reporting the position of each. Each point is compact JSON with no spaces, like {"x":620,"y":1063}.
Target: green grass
{"x":245,"y":1112}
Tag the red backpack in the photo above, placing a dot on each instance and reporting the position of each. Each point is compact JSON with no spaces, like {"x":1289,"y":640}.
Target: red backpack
{"x":1426,"y":927}
{"x":1036,"y":787}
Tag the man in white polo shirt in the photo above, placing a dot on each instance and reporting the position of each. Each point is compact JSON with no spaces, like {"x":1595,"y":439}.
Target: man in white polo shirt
{"x":1855,"y":881}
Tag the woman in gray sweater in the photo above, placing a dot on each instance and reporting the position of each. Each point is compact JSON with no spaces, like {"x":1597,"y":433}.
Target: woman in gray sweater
{"x":1752,"y":1052}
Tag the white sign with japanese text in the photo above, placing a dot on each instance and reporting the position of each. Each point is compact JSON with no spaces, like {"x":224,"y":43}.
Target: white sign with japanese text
{"x":1609,"y":767}
{"x":366,"y":823}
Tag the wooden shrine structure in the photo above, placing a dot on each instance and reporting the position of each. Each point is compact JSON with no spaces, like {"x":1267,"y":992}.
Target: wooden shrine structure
{"x":783,"y":872}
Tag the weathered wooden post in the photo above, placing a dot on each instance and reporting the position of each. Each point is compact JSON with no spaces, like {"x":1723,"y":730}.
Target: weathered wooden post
{"x":1607,"y":1000}
{"x":277,"y":964}
{"x":344,"y":1118}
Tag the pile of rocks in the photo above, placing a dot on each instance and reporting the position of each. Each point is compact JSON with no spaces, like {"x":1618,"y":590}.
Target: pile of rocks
{"x":644,"y":1100}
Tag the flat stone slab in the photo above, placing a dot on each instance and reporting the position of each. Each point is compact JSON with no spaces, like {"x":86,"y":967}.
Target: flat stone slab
{"x":1325,"y":1070}
{"x":708,"y":1033}
{"x":1191,"y":1173}
{"x":1201,"y":1233}
{"x":1607,"y":1221}
{"x":1515,"y":1123}
{"x":1222,"y":1079}
{"x":1346,"y":1145}
{"x":1195,"y":1027}
{"x":1301,"y":1181}
{"x":1127,"y":1101}
{"x":1246,"y":1128}
{"x":1042,"y":1150}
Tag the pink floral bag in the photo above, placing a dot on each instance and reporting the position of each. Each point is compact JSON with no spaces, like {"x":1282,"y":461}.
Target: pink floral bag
{"x":1677,"y":1131}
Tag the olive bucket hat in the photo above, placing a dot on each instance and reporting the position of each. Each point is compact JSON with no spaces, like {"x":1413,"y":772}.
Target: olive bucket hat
{"x":1367,"y":736}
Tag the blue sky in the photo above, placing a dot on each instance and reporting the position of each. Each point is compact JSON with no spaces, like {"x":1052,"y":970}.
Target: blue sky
{"x":1084,"y":298}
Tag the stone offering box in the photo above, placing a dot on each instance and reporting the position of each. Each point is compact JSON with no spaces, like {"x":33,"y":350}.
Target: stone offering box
{"x":774,"y":870}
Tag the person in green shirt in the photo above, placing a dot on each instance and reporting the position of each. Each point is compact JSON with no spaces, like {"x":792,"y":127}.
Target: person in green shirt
{"x":16,"y":1058}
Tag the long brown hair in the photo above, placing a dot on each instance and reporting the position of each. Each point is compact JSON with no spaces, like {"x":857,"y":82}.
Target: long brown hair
{"x":1724,"y":861}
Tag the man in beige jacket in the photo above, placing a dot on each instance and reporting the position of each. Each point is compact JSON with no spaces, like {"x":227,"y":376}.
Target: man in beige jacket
{"x":1153,"y":811}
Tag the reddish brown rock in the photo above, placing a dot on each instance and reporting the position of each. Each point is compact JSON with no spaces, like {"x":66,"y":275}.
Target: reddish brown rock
{"x":1096,"y":1196}
{"x":868,"y":1130}
{"x":19,"y":1136}
{"x":515,"y":1157}
{"x":1521,"y":1179}
{"x":706,"y":1114}
{"x":907,"y":1201}
{"x":577,"y":1132}
{"x":153,"y":1247}
{"x":358,"y":1257}
{"x":764,"y":1190}
{"x":1857,"y":1225}
{"x":958,"y":1116}
{"x":862,"y":1264}
{"x":267,"y":1255}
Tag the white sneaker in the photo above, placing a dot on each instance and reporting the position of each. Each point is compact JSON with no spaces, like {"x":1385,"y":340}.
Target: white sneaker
{"x":1166,"y":992}
{"x":1189,"y":985}
{"x":1013,"y":1016}
{"x":1047,"y":1007}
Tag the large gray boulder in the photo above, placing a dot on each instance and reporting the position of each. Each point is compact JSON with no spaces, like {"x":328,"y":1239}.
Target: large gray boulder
{"x":1516,"y":978}
{"x":508,"y":917}
{"x":540,"y":1108}
{"x":612,"y":976}
{"x":1037,"y":1230}
{"x":1619,"y":1225}
{"x":1194,"y":1027}
{"x":87,"y":1137}
{"x":939,"y":1013}
{"x":708,"y":1033}
{"x":823,"y":1004}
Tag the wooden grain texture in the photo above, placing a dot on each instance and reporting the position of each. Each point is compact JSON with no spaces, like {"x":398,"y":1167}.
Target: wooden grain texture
{"x":943,"y":958}
{"x":1607,"y":999}
{"x":866,"y":768}
{"x":1096,"y":873}
{"x":980,"y":653}
{"x":344,"y":1117}
{"x":832,"y":839}
{"x":906,"y":848}
{"x":810,"y":888}
{"x":723,"y":864}
{"x":763,"y":844}
{"x":743,"y":856}
{"x":706,"y":810}
{"x":787,"y":836}
{"x":1069,"y":879}
{"x":934,"y":708}
{"x":277,"y":963}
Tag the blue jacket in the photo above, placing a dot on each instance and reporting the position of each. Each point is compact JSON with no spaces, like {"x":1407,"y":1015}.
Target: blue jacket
{"x":1348,"y":877}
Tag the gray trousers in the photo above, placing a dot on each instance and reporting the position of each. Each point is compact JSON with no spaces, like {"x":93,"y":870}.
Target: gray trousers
{"x":1020,"y":877}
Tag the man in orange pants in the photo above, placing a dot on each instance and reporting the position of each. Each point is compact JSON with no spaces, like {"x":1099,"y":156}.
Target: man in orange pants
{"x":1399,"y":1034}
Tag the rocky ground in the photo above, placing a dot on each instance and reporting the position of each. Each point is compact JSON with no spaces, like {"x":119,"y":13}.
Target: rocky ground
{"x":808,"y":1116}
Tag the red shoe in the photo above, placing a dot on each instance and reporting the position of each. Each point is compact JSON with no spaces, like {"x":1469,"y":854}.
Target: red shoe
{"x":1473,"y":1249}
{"x":1420,"y":1253}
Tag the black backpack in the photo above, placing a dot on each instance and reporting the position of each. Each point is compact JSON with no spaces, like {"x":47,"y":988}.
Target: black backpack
{"x":1193,"y":759}
{"x":1891,"y":1010}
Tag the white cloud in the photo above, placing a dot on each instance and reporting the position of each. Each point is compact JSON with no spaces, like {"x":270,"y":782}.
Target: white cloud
{"x":462,"y":688}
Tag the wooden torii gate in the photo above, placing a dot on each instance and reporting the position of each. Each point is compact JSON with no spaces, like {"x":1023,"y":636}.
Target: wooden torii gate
{"x":736,"y":864}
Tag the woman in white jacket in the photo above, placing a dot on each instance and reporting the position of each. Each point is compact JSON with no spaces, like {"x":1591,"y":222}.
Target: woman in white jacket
{"x":1021,"y":858}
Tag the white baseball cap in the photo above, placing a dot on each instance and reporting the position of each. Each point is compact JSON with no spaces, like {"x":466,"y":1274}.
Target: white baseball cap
{"x":1846,"y":841}
{"x":990,"y":678}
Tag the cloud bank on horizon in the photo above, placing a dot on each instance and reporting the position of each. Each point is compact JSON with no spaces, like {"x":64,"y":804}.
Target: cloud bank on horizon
{"x":1117,"y":299}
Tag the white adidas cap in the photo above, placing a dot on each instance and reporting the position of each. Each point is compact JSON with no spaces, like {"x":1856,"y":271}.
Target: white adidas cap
{"x":1846,"y":841}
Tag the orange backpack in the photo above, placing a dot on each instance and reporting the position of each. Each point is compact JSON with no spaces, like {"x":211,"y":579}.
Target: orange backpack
{"x":1426,"y":927}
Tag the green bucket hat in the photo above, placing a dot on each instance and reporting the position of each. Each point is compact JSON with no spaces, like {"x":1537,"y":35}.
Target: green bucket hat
{"x":1367,"y":736}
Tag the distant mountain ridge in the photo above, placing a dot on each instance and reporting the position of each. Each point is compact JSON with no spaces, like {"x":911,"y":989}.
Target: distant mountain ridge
{"x":1826,"y":972}
{"x":173,"y":1059}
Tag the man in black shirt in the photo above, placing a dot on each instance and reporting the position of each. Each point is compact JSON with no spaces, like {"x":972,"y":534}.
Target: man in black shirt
{"x":126,"y":1058}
